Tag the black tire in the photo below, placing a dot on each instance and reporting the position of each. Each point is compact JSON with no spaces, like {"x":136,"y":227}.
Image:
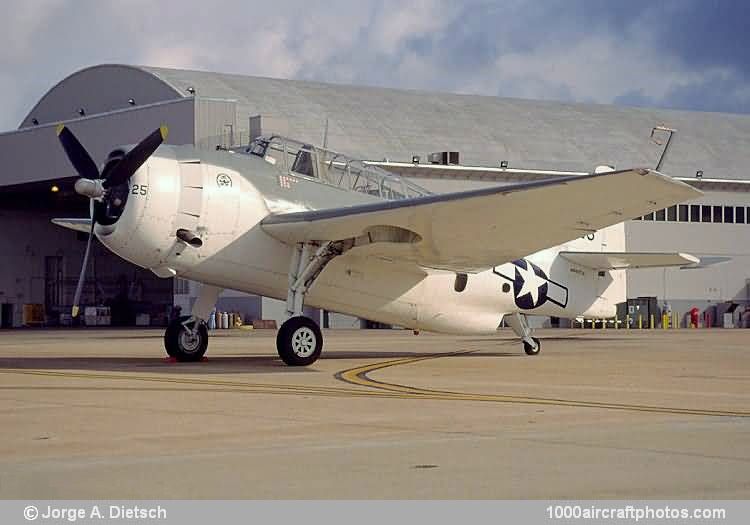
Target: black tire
{"x":181,"y":345}
{"x":299,"y":341}
{"x":530,"y":350}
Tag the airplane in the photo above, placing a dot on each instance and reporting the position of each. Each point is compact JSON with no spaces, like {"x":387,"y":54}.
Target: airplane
{"x":291,"y":221}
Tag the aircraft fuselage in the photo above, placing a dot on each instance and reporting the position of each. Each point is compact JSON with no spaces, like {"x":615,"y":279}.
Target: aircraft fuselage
{"x":223,"y":198}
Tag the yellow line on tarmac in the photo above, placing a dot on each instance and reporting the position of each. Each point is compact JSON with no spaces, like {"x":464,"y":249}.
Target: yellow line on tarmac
{"x":233,"y":385}
{"x":360,"y":376}
{"x":367,"y":387}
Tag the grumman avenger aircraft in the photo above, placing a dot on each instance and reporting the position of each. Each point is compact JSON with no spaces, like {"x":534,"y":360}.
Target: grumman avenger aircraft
{"x":303,"y":224}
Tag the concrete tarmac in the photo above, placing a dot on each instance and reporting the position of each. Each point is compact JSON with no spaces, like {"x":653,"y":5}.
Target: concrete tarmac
{"x":384,"y":414}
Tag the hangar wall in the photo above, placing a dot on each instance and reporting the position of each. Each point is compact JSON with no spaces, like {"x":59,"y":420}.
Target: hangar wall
{"x":45,"y":262}
{"x":34,"y":153}
{"x":99,"y":89}
{"x":122,"y":103}
{"x":702,"y":288}
{"x":31,"y":245}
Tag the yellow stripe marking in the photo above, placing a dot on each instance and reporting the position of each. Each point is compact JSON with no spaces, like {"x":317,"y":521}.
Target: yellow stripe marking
{"x":359,"y":376}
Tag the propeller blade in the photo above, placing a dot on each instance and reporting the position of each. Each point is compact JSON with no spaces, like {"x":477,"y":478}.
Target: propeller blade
{"x":79,"y":157}
{"x":135,"y":158}
{"x":82,"y":277}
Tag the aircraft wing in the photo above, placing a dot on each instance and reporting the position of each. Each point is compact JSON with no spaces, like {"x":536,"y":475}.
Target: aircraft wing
{"x":79,"y":225}
{"x":621,"y":261}
{"x":474,"y":230}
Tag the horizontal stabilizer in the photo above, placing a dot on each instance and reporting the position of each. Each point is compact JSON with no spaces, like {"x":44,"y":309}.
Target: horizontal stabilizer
{"x":79,"y":225}
{"x":624,"y":260}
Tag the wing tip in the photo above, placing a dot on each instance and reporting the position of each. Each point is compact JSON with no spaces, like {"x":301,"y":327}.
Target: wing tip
{"x":689,"y":257}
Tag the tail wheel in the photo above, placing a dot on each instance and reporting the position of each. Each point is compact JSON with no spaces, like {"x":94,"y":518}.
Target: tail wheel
{"x":299,"y":341}
{"x":530,"y":350}
{"x":186,"y":341}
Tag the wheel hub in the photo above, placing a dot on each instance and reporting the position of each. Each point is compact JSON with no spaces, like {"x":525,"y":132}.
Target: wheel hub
{"x":189,"y":341}
{"x":304,"y":342}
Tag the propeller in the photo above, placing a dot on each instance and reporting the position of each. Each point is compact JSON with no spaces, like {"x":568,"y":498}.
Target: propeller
{"x":94,"y":186}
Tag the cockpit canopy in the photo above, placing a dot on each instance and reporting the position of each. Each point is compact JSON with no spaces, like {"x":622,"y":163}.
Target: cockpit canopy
{"x":332,"y":168}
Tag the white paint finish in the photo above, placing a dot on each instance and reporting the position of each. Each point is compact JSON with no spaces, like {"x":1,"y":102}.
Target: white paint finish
{"x":526,"y":221}
{"x":621,"y":261}
{"x":373,"y":282}
{"x":191,"y":200}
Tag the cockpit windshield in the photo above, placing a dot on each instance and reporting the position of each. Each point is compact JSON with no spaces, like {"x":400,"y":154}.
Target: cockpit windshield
{"x":298,"y":158}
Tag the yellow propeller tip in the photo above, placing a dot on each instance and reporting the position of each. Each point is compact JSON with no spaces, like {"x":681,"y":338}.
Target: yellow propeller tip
{"x":164,"y":130}
{"x":75,"y":311}
{"x":59,"y":129}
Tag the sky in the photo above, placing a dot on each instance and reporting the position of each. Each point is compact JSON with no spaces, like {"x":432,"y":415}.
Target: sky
{"x":683,"y":54}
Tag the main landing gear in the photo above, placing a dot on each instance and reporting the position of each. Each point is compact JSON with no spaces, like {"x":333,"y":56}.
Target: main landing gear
{"x":300,"y":341}
{"x":520,"y":326}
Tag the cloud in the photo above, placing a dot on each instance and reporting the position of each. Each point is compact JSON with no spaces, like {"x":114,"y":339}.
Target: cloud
{"x":678,"y":53}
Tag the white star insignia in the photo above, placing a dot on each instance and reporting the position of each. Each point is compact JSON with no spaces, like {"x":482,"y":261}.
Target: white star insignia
{"x":531,"y":283}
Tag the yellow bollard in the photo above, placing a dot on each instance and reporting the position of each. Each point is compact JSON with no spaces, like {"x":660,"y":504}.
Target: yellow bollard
{"x":640,"y":322}
{"x":664,"y":321}
{"x":651,"y":322}
{"x":627,"y":322}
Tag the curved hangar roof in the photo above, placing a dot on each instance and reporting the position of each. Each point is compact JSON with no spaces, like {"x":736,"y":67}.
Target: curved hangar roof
{"x":376,"y":123}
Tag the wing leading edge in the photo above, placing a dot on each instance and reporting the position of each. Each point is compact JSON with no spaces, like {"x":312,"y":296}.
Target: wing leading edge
{"x":474,"y":230}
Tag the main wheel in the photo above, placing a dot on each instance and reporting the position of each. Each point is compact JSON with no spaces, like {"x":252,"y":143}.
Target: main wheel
{"x":184,"y":345}
{"x":530,"y":350}
{"x":299,"y":341}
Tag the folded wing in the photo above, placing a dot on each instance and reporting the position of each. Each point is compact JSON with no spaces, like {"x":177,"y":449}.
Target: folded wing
{"x":474,"y":230}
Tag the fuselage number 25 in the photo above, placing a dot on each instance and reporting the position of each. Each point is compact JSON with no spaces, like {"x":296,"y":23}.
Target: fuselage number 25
{"x":139,"y":189}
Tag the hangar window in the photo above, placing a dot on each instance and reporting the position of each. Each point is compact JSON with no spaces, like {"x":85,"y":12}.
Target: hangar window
{"x":649,"y":217}
{"x":181,"y":286}
{"x":672,"y":213}
{"x":705,"y":213}
{"x":695,"y":213}
{"x":729,"y":214}
{"x":739,"y":215}
{"x":684,"y":217}
{"x":660,"y":215}
{"x":717,"y":213}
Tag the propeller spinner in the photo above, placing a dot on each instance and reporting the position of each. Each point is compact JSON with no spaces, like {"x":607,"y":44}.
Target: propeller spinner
{"x":92,"y":185}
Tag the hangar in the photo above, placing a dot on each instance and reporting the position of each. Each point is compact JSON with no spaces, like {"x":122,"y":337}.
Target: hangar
{"x":498,"y":141}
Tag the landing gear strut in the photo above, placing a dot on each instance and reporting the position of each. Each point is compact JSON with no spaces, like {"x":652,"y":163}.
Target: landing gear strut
{"x":520,"y":326}
{"x":300,"y":341}
{"x":186,"y":338}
